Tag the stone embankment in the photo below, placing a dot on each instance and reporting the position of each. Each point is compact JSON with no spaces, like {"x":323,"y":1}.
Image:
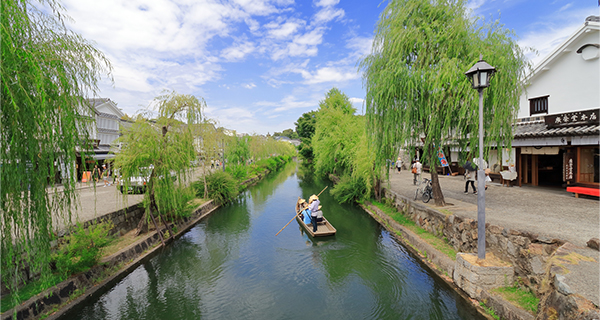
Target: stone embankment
{"x":60,"y":298}
{"x":551,"y":268}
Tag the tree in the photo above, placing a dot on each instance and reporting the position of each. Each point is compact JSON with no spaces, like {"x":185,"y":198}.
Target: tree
{"x":417,"y":92}
{"x":165,"y":147}
{"x":333,"y":141}
{"x":305,"y":127}
{"x":46,"y":72}
{"x":340,"y":147}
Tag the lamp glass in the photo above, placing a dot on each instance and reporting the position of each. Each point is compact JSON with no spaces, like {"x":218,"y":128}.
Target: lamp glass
{"x":475,"y":80}
{"x":484,"y":78}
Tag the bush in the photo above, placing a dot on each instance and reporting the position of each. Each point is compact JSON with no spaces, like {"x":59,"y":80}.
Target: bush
{"x":222,"y":187}
{"x":349,"y":189}
{"x":82,"y":248}
{"x":239,"y":172}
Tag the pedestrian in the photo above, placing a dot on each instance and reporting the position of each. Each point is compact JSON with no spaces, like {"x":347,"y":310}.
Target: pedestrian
{"x":471,"y":176}
{"x":416,"y":170}
{"x":399,"y":164}
{"x":105,"y":174}
{"x":96,"y":173}
{"x":313,"y":205}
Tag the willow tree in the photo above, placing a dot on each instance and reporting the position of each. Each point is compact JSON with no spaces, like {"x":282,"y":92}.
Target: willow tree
{"x":163,"y":147}
{"x":339,"y":146}
{"x":46,"y":71}
{"x":417,"y":93}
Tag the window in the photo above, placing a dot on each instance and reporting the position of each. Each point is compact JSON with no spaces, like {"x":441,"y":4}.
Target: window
{"x":538,"y":105}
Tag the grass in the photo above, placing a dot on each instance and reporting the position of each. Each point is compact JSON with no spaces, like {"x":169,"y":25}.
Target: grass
{"x":489,"y":310}
{"x":519,"y":296}
{"x":434,"y":241}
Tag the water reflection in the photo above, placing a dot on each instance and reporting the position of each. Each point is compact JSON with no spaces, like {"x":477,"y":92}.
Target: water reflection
{"x":232,"y":266}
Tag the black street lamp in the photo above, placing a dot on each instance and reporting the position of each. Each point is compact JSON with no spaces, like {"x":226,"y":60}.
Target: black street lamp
{"x":480,"y":75}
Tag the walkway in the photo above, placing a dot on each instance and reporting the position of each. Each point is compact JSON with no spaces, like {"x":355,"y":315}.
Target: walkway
{"x":549,"y":213}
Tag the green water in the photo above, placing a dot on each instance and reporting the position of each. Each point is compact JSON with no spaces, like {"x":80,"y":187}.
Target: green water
{"x":232,"y":266}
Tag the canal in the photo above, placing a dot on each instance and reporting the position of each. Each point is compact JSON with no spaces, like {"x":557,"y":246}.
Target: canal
{"x":232,"y":266}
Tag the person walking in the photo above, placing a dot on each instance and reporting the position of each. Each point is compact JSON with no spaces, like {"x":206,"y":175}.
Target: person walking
{"x":416,"y":170}
{"x":96,"y":173}
{"x":471,"y":176}
{"x":399,"y":164}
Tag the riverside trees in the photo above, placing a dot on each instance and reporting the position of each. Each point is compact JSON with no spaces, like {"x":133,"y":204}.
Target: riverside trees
{"x":416,"y":88}
{"x":46,"y":71}
{"x":340,"y":147}
{"x":164,"y":145}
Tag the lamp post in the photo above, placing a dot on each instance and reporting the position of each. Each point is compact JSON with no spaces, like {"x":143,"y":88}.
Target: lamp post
{"x":480,"y":75}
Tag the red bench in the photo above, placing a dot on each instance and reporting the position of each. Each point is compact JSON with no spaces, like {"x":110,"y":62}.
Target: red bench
{"x":584,"y":190}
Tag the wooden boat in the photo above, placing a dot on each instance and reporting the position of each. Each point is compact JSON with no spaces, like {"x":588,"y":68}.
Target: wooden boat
{"x":324,"y":228}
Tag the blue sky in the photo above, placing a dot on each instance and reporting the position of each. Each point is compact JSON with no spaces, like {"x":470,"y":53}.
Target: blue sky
{"x":260,"y":64}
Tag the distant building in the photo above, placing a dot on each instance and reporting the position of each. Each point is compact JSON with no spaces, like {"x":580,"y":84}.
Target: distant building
{"x":102,"y":136}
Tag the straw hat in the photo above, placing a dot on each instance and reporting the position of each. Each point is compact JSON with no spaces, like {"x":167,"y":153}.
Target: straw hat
{"x":312,"y":198}
{"x":302,"y":201}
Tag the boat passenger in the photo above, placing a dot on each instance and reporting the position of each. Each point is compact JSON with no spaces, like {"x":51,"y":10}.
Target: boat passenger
{"x":313,"y":205}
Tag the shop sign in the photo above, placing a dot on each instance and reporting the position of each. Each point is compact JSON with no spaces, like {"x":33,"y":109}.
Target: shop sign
{"x":569,"y":167}
{"x":573,"y":118}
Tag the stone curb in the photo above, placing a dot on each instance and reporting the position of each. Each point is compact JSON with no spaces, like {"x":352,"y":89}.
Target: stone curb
{"x":439,"y":262}
{"x":43,"y":302}
{"x":435,"y":260}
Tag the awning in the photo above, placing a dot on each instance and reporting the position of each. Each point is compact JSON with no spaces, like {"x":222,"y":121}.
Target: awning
{"x":103,"y":156}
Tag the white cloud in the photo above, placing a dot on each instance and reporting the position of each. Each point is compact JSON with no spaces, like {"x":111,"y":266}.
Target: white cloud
{"x":565,"y":7}
{"x":279,"y":30}
{"x":326,"y":3}
{"x":328,"y":14}
{"x":249,"y":85}
{"x":238,"y":51}
{"x":330,"y":74}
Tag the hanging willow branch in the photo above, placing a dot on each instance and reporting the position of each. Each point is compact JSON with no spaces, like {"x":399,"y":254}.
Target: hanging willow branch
{"x":417,"y":93}
{"x":47,"y":71}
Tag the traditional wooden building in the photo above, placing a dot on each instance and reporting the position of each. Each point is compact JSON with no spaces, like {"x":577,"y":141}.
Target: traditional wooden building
{"x":556,"y":139}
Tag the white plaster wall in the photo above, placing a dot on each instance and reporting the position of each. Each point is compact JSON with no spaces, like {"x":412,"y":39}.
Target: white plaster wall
{"x":572,"y":83}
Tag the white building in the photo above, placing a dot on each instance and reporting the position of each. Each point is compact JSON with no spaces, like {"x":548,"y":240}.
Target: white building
{"x":556,"y":139}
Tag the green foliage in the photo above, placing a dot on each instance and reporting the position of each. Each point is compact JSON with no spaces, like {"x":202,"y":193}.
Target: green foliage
{"x":340,"y":147}
{"x":489,"y":310}
{"x":349,"y":189}
{"x":520,"y":296}
{"x":239,"y":172}
{"x":46,"y":73}
{"x":221,"y":187}
{"x":305,"y":126}
{"x":81,"y":249}
{"x":239,"y":151}
{"x":164,"y":146}
{"x":286,"y":133}
{"x":415,"y":82}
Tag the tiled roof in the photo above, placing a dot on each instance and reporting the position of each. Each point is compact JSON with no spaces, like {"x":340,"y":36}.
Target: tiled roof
{"x":108,"y":115}
{"x":538,"y":129}
{"x":97,"y":101}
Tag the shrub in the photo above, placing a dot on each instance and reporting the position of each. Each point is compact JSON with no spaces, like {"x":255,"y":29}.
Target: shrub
{"x":82,"y":248}
{"x":349,"y":189}
{"x":221,"y":187}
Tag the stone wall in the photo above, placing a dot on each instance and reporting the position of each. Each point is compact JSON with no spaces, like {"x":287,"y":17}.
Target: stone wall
{"x":527,"y":252}
{"x":136,"y":252}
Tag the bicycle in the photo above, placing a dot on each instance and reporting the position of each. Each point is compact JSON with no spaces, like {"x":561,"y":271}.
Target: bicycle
{"x":426,"y":192}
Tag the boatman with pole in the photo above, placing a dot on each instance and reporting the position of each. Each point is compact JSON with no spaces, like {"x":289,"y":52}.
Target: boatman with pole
{"x":315,"y":213}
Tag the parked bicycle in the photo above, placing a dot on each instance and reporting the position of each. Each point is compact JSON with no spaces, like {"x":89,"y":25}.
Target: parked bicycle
{"x":425,"y":191}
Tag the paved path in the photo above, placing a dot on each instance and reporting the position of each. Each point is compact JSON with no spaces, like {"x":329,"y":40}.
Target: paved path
{"x":96,"y":202}
{"x":550,"y":213}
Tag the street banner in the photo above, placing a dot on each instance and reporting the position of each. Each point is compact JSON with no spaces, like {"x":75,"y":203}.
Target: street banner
{"x":442,"y":157}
